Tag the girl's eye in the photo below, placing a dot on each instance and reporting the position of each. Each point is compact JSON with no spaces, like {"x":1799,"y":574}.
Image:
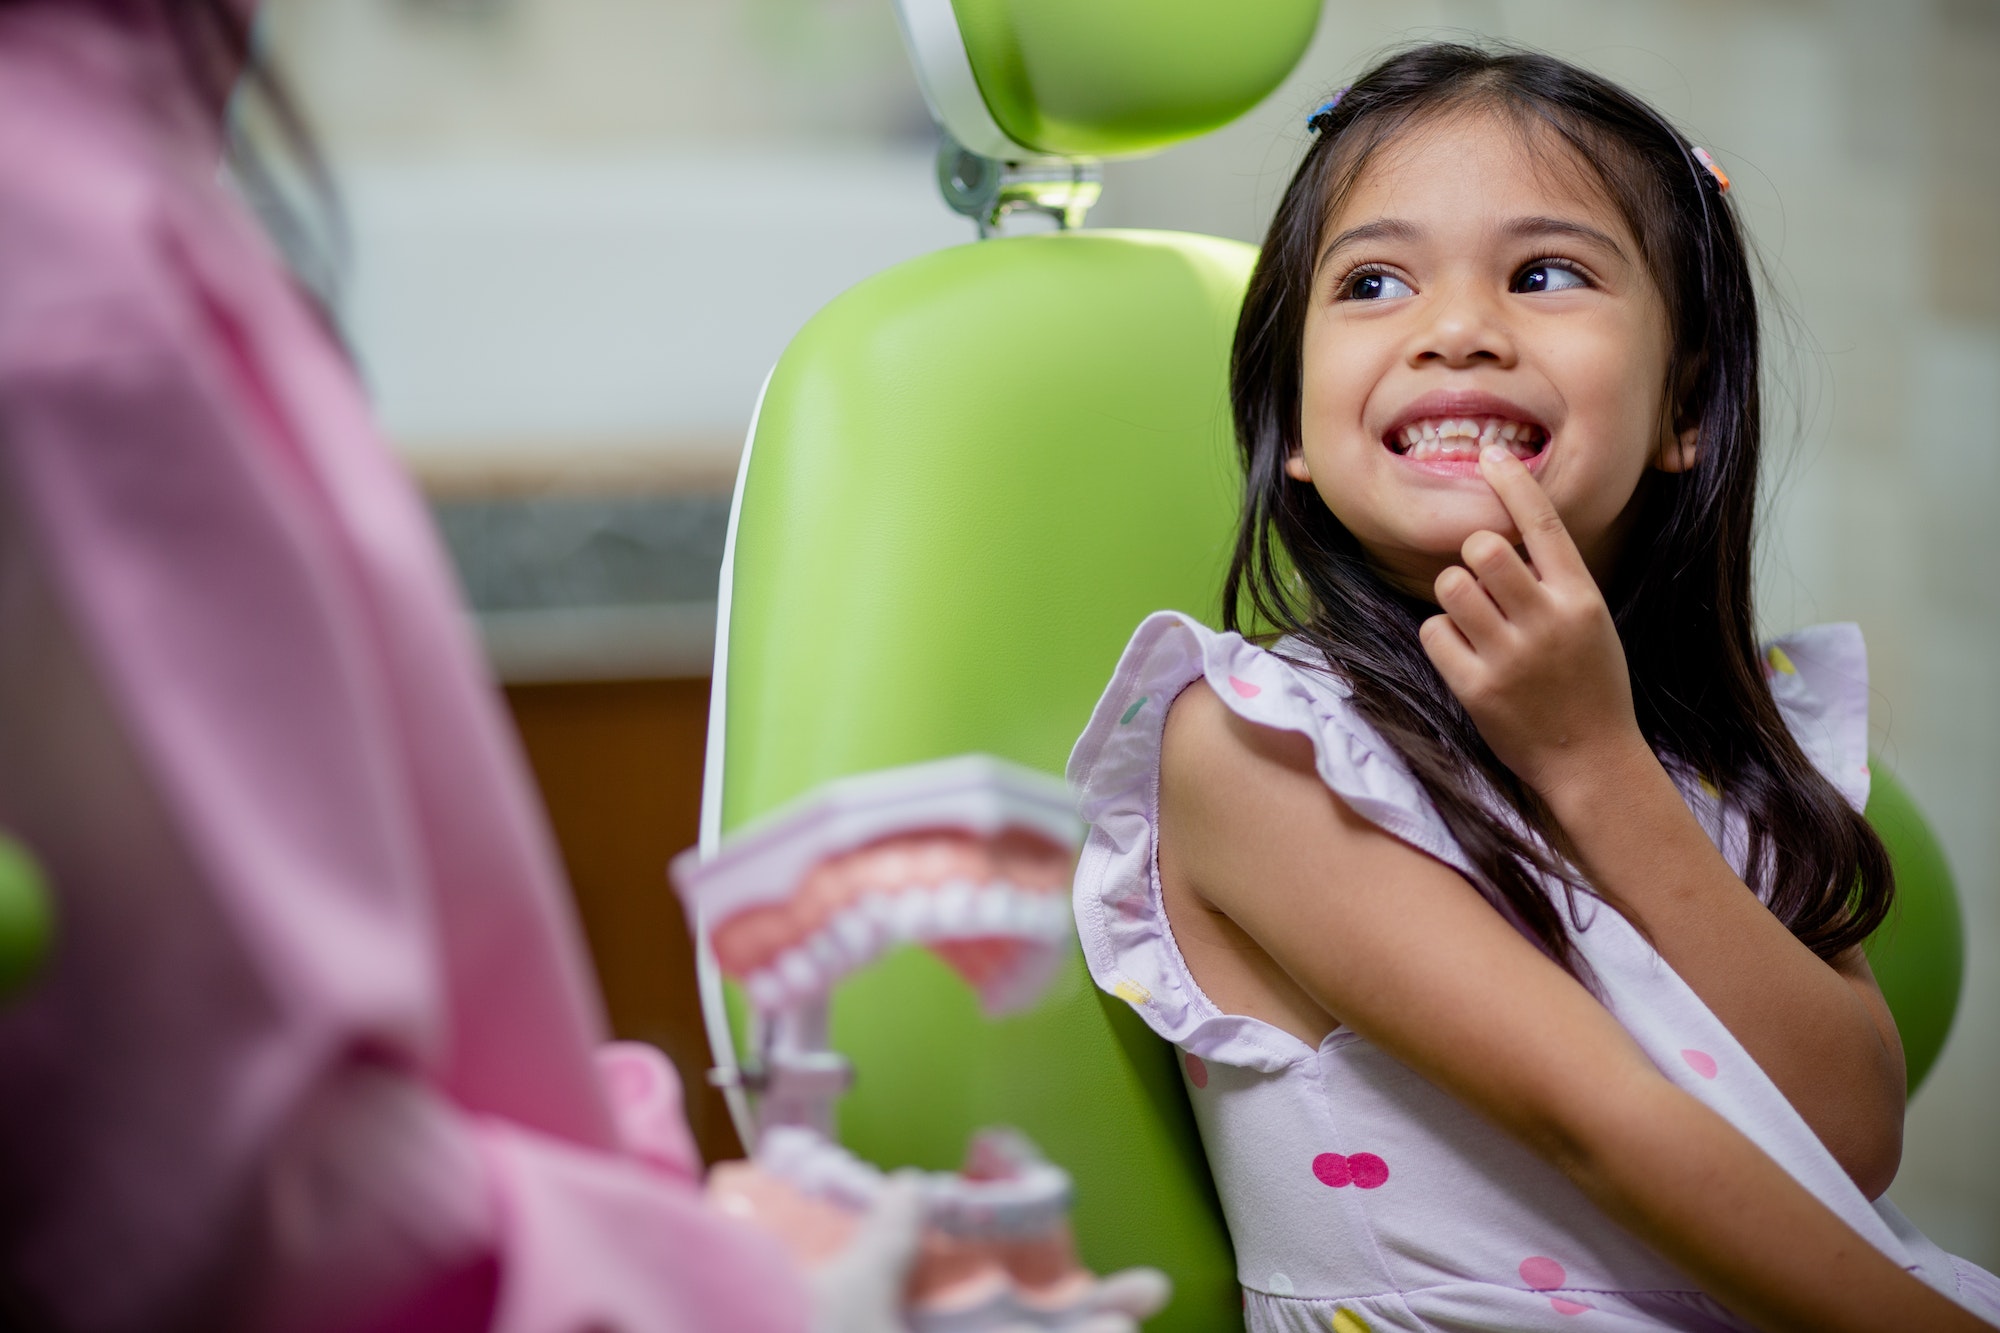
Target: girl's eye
{"x":1373,"y":285}
{"x":1549,"y":276}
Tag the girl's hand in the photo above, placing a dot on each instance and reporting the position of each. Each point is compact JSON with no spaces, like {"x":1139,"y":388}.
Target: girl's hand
{"x":1530,"y":649}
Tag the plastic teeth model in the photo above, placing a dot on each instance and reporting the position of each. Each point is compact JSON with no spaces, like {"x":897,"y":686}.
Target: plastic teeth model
{"x":971,"y":858}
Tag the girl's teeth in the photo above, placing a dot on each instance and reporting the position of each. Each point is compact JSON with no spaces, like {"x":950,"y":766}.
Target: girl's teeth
{"x":1460,"y":438}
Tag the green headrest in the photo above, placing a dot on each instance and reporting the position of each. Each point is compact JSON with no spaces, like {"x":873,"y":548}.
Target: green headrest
{"x":1104,"y":78}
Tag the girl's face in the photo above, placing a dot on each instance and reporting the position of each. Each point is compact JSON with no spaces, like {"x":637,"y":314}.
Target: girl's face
{"x":1469,"y":293}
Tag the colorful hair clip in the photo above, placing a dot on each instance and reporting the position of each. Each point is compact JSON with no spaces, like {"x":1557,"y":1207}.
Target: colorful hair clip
{"x":1721,"y":177}
{"x":1322,"y":114}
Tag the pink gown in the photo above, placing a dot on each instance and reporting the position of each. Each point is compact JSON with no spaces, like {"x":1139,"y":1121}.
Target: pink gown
{"x":317,"y":1046}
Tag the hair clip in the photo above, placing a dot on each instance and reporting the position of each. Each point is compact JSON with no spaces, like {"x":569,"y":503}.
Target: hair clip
{"x":1721,"y":177}
{"x":1322,"y":115}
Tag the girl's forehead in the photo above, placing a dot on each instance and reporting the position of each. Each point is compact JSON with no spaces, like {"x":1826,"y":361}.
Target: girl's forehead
{"x":1477,"y":159}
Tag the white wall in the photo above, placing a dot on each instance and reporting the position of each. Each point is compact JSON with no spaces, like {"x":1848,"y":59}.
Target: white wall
{"x":629,"y":298}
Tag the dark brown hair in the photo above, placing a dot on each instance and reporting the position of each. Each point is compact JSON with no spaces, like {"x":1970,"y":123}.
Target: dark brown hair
{"x":291,"y":191}
{"x":233,"y":78}
{"x":1681,"y":595}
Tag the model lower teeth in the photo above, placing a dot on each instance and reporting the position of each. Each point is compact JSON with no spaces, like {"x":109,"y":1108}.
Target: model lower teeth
{"x":1455,"y":439}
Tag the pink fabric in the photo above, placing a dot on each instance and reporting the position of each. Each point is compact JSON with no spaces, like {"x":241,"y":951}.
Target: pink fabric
{"x":315,"y":1049}
{"x":645,"y":1095}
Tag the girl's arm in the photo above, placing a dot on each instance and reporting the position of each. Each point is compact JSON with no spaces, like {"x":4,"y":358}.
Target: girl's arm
{"x":1533,"y":654}
{"x":1404,"y":951}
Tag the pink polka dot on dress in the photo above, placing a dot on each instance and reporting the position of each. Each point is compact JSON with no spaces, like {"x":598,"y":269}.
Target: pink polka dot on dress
{"x":1331,"y":1168}
{"x":1363,"y":1170}
{"x":1542,"y":1273}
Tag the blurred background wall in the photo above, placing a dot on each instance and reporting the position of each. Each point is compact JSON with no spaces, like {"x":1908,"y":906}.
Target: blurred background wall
{"x":584,"y":229}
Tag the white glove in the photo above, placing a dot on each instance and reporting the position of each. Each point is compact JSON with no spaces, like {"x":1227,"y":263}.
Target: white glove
{"x":860,"y":1290}
{"x":1119,"y":1304}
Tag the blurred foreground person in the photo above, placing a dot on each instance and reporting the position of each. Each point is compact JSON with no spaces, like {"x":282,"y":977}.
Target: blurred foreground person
{"x":317,"y":1046}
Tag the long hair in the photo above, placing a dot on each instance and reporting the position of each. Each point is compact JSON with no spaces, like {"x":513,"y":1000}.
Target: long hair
{"x":229,"y":74}
{"x":1681,"y":594}
{"x":236,"y":81}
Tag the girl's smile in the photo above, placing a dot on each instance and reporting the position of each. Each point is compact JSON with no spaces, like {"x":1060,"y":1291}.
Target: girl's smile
{"x":1443,"y":432}
{"x":1477,"y":286}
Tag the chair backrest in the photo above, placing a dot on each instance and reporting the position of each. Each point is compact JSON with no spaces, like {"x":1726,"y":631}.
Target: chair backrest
{"x":1919,"y":953}
{"x":969,"y":478}
{"x":24,"y":917}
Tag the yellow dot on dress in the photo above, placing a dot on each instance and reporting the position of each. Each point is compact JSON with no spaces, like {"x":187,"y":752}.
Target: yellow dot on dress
{"x":1131,"y":992}
{"x":1714,"y":792}
{"x":1779,"y":662}
{"x":1346,"y":1321}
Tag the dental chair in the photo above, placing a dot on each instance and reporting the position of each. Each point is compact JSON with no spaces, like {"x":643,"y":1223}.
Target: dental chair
{"x":967,"y":479}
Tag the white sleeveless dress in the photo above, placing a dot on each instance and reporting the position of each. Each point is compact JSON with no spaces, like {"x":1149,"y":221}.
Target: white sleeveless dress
{"x":1359,"y":1196}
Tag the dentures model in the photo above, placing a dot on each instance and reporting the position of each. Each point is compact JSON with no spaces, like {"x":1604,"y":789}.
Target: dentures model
{"x":971,"y":858}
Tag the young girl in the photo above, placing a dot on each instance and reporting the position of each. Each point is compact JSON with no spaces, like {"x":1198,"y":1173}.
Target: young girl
{"x":1508,"y":906}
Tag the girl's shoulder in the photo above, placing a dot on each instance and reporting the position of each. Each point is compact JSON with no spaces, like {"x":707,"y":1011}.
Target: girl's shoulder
{"x":1115,"y":765}
{"x":1819,"y":679}
{"x":1115,"y":773}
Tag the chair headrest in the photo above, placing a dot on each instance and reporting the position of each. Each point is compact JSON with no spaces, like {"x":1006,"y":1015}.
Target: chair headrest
{"x":1089,"y":79}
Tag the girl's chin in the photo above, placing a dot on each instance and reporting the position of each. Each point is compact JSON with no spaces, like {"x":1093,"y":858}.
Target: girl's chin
{"x":1414,"y":568}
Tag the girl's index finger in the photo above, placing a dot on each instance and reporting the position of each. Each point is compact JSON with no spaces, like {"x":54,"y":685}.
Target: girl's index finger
{"x":1549,"y":544}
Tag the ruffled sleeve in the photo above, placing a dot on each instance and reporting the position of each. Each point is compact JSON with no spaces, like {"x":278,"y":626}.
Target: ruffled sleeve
{"x":1115,"y":771}
{"x":1819,"y":677}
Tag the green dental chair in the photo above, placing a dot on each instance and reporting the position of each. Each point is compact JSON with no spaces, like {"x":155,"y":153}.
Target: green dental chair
{"x":968,"y":479}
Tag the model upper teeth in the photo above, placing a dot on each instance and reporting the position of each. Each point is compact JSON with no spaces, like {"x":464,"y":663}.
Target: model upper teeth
{"x":996,"y":908}
{"x":1464,"y":437}
{"x":959,"y":910}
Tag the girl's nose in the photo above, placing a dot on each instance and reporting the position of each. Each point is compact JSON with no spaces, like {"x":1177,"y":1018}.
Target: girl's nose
{"x":1466,"y":327}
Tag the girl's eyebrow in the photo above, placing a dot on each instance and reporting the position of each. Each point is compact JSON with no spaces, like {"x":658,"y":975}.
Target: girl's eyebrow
{"x":1399,"y":229}
{"x":1528,"y":228}
{"x":1381,"y":229}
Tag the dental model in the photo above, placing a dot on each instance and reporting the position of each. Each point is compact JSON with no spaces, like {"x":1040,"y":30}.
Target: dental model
{"x":969,"y":857}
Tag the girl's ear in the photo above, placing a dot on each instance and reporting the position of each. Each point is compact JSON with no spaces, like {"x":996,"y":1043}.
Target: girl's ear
{"x":1677,"y":448}
{"x":1295,"y":466}
{"x":1677,"y":452}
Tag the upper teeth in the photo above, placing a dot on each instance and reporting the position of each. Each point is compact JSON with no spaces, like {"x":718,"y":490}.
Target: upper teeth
{"x":958,"y":909}
{"x":1464,"y":437}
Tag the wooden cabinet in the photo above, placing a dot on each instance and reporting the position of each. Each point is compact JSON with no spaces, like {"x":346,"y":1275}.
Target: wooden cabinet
{"x":619,"y":765}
